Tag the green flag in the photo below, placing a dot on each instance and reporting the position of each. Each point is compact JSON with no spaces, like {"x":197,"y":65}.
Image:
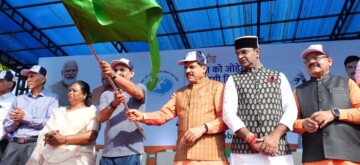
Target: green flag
{"x":119,"y":20}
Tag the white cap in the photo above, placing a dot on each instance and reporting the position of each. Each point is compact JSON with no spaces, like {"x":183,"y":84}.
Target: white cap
{"x":123,"y":61}
{"x":194,"y":56}
{"x":313,"y":48}
{"x":7,"y":75}
{"x":36,"y":69}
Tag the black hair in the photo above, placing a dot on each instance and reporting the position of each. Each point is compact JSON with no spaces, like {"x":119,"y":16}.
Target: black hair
{"x":85,"y":88}
{"x":350,"y":59}
{"x":201,"y":63}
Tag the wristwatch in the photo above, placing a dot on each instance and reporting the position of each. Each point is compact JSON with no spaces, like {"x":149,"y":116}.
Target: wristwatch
{"x":206,"y":128}
{"x":114,"y":75}
{"x":335,"y":112}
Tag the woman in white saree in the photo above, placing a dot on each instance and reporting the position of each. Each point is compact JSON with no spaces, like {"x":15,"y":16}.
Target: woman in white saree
{"x":69,"y":135}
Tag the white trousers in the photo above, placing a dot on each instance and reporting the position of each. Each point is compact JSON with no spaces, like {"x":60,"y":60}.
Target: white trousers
{"x":260,"y":159}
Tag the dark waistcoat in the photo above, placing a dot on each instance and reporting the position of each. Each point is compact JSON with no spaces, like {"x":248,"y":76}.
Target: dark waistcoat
{"x":259,"y":106}
{"x":337,"y":140}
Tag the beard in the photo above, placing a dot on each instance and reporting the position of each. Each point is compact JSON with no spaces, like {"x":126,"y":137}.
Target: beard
{"x":69,"y":81}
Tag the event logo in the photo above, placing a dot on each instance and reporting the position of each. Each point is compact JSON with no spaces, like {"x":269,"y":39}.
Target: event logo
{"x":166,"y":82}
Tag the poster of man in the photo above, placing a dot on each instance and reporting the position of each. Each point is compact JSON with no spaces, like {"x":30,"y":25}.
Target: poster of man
{"x":68,"y":76}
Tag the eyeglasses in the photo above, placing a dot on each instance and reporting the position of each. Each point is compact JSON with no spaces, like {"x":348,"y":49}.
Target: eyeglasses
{"x":316,"y":58}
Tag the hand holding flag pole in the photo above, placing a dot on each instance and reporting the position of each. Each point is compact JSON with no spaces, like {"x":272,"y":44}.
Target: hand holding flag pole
{"x":119,"y":20}
{"x":115,"y":89}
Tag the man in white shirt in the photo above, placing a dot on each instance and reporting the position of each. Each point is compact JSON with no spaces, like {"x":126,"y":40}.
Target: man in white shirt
{"x":7,"y":84}
{"x":259,"y":108}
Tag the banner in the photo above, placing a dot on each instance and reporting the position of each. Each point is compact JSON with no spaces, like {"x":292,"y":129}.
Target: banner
{"x":222,"y":63}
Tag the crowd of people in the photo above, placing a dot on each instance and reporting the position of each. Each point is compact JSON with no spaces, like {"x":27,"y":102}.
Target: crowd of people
{"x":60,"y":126}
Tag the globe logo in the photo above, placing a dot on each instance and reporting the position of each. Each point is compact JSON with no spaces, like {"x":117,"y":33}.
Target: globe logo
{"x":164,"y":86}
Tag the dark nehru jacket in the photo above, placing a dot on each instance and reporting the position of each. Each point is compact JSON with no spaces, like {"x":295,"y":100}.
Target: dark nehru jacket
{"x":337,"y":140}
{"x":259,"y":106}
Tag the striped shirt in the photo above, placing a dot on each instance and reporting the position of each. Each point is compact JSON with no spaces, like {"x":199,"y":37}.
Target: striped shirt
{"x":196,"y":105}
{"x":37,"y":111}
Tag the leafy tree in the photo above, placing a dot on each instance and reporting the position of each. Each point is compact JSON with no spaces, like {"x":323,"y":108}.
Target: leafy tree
{"x":3,"y":67}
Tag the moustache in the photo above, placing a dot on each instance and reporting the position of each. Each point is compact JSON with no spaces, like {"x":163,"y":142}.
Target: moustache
{"x":313,"y":65}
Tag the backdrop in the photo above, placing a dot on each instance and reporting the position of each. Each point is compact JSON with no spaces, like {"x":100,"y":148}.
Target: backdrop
{"x":222,"y":62}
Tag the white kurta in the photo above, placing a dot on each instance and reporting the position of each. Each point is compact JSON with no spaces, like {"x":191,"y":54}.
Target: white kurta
{"x":68,"y":123}
{"x":230,"y":117}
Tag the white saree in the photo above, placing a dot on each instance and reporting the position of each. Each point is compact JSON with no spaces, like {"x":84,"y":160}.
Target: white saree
{"x":68,"y":123}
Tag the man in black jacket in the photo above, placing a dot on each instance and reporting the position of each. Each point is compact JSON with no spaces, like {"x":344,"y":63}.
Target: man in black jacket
{"x":329,"y":112}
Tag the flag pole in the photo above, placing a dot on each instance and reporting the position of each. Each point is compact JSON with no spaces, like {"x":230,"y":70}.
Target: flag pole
{"x":115,"y":89}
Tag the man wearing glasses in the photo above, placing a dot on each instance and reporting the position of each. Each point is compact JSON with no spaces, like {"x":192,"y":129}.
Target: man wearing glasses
{"x":329,"y":112}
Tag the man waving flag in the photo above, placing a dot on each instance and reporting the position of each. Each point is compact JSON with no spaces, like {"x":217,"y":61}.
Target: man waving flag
{"x":119,"y":20}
